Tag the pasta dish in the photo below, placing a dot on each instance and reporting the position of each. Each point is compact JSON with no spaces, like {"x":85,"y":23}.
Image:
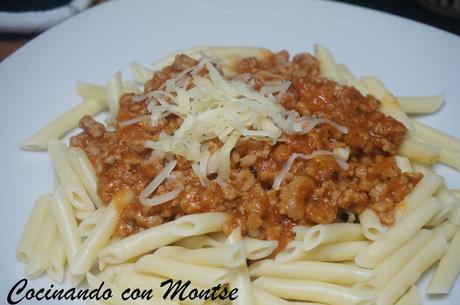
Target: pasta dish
{"x":287,"y":178}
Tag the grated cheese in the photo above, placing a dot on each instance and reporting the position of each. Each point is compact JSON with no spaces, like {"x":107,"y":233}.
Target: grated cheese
{"x":152,"y":186}
{"x":160,"y":199}
{"x":213,"y":107}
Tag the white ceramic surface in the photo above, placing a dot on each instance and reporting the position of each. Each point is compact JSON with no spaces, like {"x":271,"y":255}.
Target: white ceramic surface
{"x":37,"y":82}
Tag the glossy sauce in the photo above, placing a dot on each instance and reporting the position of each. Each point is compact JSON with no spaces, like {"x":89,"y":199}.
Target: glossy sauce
{"x":314,"y":191}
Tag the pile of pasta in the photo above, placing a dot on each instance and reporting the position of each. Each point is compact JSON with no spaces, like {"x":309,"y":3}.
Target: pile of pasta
{"x":71,"y":231}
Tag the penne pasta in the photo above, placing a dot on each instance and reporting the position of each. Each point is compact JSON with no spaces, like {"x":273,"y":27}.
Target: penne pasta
{"x":404,"y":164}
{"x":155,"y":237}
{"x":224,"y":256}
{"x":337,"y":72}
{"x":95,"y":282}
{"x":145,"y":282}
{"x":419,"y":151}
{"x":327,"y":65}
{"x":80,"y":215}
{"x":345,"y":76}
{"x":448,"y":210}
{"x":331,"y":233}
{"x":371,"y":226}
{"x":70,"y":182}
{"x":424,"y":188}
{"x":197,"y":242}
{"x":139,"y":243}
{"x":411,"y":272}
{"x":389,"y":104}
{"x":450,"y":158}
{"x":56,"y":260}
{"x":113,"y":91}
{"x":447,"y":228}
{"x":299,"y":232}
{"x":337,"y":252}
{"x":293,"y":251}
{"x":264,"y":298}
{"x":441,"y":215}
{"x":388,"y":269}
{"x":240,"y":279}
{"x":89,"y":222}
{"x":62,"y":125}
{"x":420,"y":104}
{"x":131,"y":87}
{"x":177,"y":270}
{"x":400,"y":233}
{"x":38,"y":262}
{"x":425,"y":169}
{"x":32,"y":228}
{"x":257,"y":248}
{"x":197,"y":224}
{"x":111,"y":271}
{"x":91,"y":91}
{"x":219,"y":237}
{"x":447,"y":270}
{"x":96,"y":240}
{"x":312,"y":291}
{"x":432,"y":135}
{"x":76,"y":280}
{"x":66,"y":223}
{"x":141,"y":73}
{"x":412,"y":297}
{"x":307,"y":270}
{"x":97,"y":302}
{"x":86,"y":173}
{"x":334,"y":252}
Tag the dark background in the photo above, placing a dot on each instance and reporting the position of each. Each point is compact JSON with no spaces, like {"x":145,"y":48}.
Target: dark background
{"x":30,"y":5}
{"x":407,"y":8}
{"x":413,"y":9}
{"x":444,"y":18}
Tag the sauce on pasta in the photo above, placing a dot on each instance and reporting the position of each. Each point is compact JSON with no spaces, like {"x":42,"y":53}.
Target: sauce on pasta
{"x":314,"y":191}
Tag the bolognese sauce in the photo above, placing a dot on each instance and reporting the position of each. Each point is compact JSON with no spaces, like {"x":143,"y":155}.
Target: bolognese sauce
{"x":314,"y":191}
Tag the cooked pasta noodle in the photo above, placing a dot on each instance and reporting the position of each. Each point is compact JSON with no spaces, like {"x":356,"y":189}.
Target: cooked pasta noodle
{"x":31,"y":230}
{"x":312,"y":291}
{"x":57,"y":260}
{"x":448,"y":268}
{"x":400,"y":233}
{"x":174,"y":269}
{"x":205,"y":154}
{"x":38,"y":262}
{"x":409,"y":274}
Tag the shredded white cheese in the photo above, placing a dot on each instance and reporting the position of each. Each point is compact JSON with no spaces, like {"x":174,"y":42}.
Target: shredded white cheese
{"x":160,"y":199}
{"x":152,"y":186}
{"x":213,"y":107}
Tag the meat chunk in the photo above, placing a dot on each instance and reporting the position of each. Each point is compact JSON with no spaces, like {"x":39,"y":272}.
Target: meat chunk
{"x":294,"y":196}
{"x":182,"y":62}
{"x":92,"y":127}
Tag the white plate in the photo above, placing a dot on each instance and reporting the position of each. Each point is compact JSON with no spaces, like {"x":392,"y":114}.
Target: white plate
{"x":37,"y":82}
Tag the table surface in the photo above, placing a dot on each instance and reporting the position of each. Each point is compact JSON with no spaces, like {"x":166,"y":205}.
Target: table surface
{"x":11,"y":42}
{"x":409,"y":8}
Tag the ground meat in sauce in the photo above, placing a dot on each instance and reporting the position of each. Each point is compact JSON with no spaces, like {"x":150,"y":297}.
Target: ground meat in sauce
{"x":314,"y":191}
